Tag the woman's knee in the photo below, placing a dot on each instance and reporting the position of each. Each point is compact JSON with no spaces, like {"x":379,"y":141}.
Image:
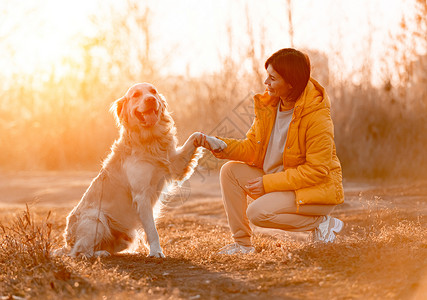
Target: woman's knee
{"x":227,"y":169}
{"x":256,"y":214}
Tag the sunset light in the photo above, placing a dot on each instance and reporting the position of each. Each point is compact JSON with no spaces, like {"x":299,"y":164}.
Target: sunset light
{"x":213,"y":149}
{"x":40,"y":34}
{"x":43,"y":34}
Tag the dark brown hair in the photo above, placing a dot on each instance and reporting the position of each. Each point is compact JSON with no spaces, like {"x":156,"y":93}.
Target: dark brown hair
{"x":294,"y":67}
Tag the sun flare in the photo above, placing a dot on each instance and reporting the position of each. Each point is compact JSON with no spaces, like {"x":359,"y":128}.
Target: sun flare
{"x":41,"y":33}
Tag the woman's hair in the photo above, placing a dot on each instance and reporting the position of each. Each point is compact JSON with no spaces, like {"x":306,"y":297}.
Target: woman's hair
{"x":294,"y":67}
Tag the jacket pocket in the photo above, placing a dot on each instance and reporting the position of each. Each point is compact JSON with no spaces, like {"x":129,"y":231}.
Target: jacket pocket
{"x":328,"y":192}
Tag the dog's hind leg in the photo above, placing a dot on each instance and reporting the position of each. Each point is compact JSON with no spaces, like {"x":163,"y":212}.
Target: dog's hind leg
{"x":91,"y":233}
{"x":121,"y":240}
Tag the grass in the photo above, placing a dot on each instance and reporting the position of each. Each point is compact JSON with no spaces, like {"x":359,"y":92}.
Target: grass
{"x":55,"y":119}
{"x":378,"y":133}
{"x":380,"y":255}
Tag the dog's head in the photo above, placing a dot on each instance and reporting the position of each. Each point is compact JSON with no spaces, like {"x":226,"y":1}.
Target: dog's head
{"x":142,"y":107}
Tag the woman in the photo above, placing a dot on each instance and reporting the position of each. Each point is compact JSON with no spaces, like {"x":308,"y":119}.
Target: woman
{"x":287,"y":162}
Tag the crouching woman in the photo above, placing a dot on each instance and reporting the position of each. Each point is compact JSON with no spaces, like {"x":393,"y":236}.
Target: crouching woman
{"x":287,"y":163}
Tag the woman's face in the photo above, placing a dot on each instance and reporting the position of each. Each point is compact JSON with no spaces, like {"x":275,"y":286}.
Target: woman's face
{"x":276,"y":86}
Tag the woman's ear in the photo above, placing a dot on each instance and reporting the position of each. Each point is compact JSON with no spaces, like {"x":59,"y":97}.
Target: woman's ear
{"x":117,"y":109}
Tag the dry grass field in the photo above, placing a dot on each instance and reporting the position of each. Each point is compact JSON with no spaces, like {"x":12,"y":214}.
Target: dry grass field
{"x":54,"y":118}
{"x":380,"y":255}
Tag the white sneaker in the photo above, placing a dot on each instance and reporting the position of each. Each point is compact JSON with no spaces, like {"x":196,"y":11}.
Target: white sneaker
{"x":325,"y":231}
{"x":235,"y":248}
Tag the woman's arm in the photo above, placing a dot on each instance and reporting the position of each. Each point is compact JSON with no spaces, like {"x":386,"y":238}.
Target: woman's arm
{"x":240,"y":149}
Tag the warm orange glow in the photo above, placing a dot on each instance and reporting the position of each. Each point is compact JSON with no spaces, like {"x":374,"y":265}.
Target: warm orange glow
{"x":40,"y":34}
{"x":50,"y":30}
{"x":64,"y":62}
{"x":65,"y":67}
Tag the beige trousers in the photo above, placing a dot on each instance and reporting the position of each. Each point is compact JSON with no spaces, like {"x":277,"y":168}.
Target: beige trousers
{"x":272,"y":210}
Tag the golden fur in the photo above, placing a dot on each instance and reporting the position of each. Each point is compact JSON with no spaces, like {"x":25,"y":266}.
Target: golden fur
{"x":143,"y":160}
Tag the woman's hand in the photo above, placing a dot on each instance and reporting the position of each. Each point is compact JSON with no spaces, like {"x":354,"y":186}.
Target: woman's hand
{"x":256,"y":187}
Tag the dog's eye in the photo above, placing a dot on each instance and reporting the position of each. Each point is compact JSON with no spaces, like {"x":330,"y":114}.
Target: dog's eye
{"x":136,"y":94}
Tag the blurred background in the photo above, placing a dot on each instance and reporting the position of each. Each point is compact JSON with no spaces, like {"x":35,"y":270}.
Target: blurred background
{"x":63,"y":63}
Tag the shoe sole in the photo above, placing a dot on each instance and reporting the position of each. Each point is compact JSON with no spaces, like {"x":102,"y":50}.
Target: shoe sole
{"x":236,"y":252}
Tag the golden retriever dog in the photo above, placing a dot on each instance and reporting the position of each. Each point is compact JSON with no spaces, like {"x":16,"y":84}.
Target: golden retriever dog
{"x":143,"y":161}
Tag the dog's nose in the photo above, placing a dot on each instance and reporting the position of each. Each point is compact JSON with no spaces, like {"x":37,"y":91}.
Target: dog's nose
{"x":150,"y":100}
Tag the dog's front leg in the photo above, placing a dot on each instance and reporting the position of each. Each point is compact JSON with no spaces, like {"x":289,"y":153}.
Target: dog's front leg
{"x":144,"y":180}
{"x":145,"y":211}
{"x":185,"y":158}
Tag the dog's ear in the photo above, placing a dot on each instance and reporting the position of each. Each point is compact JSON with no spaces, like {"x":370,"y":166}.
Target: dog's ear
{"x":164,"y":102}
{"x":117,"y":109}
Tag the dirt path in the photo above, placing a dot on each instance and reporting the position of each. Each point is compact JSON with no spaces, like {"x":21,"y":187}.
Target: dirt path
{"x":381,"y":254}
{"x":201,"y":197}
{"x":64,"y":189}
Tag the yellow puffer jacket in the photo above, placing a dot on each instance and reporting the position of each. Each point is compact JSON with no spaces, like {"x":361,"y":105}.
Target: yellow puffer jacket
{"x":311,"y":166}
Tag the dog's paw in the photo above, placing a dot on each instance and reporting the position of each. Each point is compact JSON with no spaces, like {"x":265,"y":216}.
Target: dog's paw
{"x":59,"y":252}
{"x":88,"y":255}
{"x":158,"y":254}
{"x":209,"y":142}
{"x":101,"y":253}
{"x":215,"y":143}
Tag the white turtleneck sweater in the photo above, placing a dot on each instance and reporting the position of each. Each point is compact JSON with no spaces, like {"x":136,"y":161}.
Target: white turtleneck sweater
{"x":273,"y":161}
